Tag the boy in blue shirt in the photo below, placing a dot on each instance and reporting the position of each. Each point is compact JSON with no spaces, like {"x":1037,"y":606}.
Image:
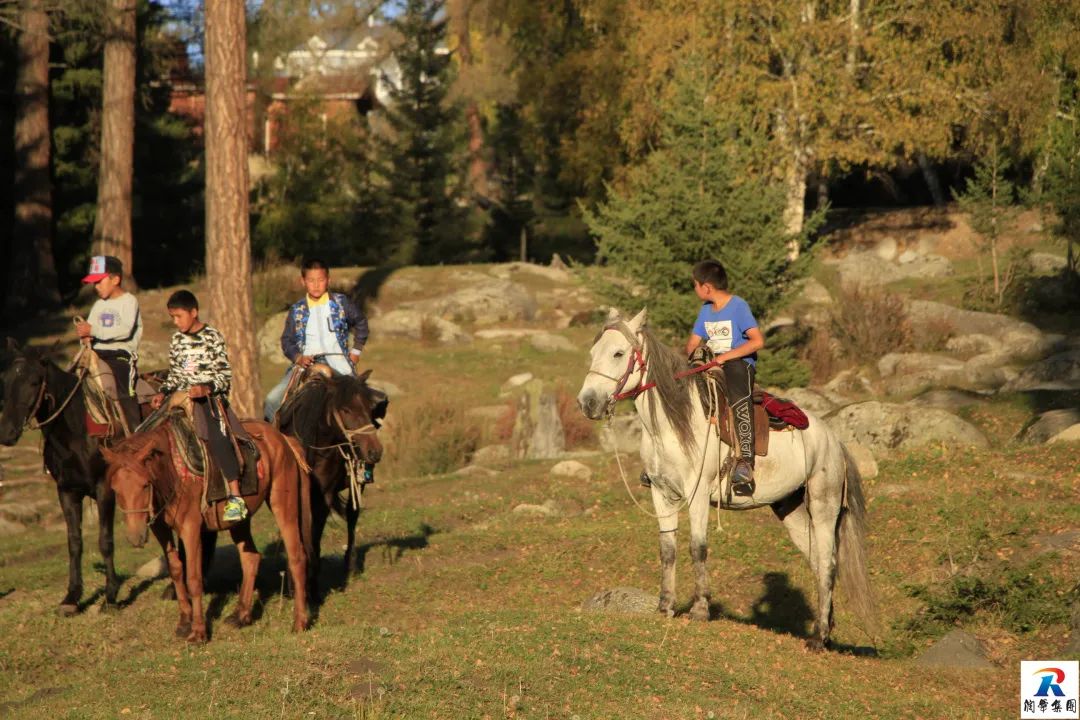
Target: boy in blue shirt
{"x":727,"y":326}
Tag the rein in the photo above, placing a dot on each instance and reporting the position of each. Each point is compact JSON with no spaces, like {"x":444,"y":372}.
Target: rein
{"x":32,"y":423}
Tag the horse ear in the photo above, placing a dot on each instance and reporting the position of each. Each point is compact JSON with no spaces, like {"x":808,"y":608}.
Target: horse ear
{"x":613,"y":316}
{"x":362,"y":377}
{"x":109,"y":455}
{"x":639,"y":320}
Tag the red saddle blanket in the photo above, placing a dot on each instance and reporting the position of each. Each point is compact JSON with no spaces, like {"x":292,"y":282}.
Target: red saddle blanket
{"x":784,"y":410}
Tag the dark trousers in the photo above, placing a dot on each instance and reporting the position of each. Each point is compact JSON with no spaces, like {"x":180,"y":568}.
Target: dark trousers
{"x":217,"y":442}
{"x":124,"y":374}
{"x":739,"y":391}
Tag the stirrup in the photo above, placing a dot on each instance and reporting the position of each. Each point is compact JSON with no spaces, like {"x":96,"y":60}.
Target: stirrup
{"x":742,"y":479}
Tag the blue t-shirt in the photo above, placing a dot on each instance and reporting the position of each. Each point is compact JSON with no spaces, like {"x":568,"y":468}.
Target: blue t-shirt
{"x":725,"y":329}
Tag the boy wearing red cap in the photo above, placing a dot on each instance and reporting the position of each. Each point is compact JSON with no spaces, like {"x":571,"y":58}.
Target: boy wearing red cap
{"x":113,"y":330}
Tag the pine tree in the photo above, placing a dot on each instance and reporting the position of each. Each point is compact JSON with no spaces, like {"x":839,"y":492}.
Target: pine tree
{"x":689,"y":200}
{"x":420,"y":162}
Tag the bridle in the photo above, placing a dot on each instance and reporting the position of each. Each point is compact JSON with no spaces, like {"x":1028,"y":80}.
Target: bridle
{"x":635,"y":362}
{"x":30,"y":422}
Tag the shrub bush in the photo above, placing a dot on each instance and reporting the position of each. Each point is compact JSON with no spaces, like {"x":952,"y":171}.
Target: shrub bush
{"x":868,"y":323}
{"x":429,"y":438}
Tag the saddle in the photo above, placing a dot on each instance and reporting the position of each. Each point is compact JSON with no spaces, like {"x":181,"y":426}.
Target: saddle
{"x":771,"y":414}
{"x":104,"y":417}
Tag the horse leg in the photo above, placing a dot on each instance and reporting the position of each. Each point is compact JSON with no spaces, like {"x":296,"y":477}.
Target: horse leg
{"x":699,"y":552}
{"x":669,"y":524}
{"x":249,"y":565}
{"x":190,"y":536}
{"x":351,"y":516}
{"x":106,"y":503}
{"x":824,"y":518}
{"x":320,"y":512}
{"x":71,"y":504}
{"x":286,"y":510}
{"x":176,"y":573}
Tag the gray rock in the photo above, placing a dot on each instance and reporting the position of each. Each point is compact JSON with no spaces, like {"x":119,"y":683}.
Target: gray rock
{"x":864,"y":460}
{"x":1060,"y":371}
{"x":486,"y":304}
{"x":807,"y":399}
{"x":885,"y":426}
{"x":26,"y":513}
{"x":848,"y":384}
{"x":622,"y":600}
{"x":516,"y":381}
{"x":814,"y":293}
{"x":1047,"y":263}
{"x":908,"y":256}
{"x":1069,"y":434}
{"x":1048,"y":424}
{"x":1019,"y":340}
{"x":552,"y":272}
{"x":948,"y":399}
{"x":490,"y":454}
{"x":269,"y":339}
{"x":403,"y":285}
{"x":417,"y":325}
{"x":868,"y":268}
{"x":549,"y":342}
{"x":505,"y":333}
{"x":538,"y":431}
{"x":152,"y":569}
{"x":549,"y":509}
{"x":488,"y":413}
{"x":572,"y":469}
{"x":623,"y":434}
{"x":973,"y":344}
{"x":957,"y":649}
{"x":886,"y":249}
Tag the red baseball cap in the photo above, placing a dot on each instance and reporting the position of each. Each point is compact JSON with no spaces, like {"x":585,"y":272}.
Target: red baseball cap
{"x":102,"y":266}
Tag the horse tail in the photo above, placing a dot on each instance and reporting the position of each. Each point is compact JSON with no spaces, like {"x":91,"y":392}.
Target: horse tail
{"x":306,"y":533}
{"x":851,"y":563}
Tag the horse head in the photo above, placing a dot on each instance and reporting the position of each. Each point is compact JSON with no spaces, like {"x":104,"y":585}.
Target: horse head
{"x":356,"y":408}
{"x":129,"y":477}
{"x":616,"y":365}
{"x":23,"y":381}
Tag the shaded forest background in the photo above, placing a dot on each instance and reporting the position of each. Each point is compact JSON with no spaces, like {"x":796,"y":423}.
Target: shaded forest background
{"x":636,"y":135}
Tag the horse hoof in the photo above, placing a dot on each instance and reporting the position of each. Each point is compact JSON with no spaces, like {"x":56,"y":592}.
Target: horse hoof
{"x":183,"y":630}
{"x":816,"y":644}
{"x":109,"y":607}
{"x":169,"y":593}
{"x":700,"y":614}
{"x":195,"y":638}
{"x":238,"y":621}
{"x":67,"y":609}
{"x":299,"y":626}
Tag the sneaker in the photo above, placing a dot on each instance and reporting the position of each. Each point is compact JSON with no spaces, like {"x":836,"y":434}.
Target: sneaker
{"x":742,"y":479}
{"x":235,"y":509}
{"x":369,"y":473}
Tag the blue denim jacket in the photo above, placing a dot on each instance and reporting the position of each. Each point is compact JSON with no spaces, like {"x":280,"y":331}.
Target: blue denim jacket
{"x":343,"y":313}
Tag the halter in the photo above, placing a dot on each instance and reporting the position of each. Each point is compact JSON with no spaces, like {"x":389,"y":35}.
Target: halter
{"x":31,"y":423}
{"x":635,"y":362}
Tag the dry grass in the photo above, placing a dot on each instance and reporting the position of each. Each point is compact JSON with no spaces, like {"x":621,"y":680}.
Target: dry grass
{"x":869,"y":322}
{"x":429,"y":437}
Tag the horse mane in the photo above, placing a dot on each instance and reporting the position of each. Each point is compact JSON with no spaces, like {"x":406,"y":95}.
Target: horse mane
{"x":316,"y":402}
{"x":675,"y":395}
{"x":131,"y":445}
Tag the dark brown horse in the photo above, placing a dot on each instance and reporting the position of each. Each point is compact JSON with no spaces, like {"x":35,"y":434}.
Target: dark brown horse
{"x":335,"y":418}
{"x":157,"y":494}
{"x":38,"y":394}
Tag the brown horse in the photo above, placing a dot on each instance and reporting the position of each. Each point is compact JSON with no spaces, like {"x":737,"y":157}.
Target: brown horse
{"x":156,"y":494}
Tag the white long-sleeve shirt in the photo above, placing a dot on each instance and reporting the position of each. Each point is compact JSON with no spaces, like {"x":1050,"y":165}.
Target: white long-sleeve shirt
{"x":115,"y":324}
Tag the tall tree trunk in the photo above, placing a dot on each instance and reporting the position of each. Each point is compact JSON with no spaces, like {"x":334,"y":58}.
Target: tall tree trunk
{"x":478,"y":166}
{"x":112,"y":226}
{"x":31,"y":266}
{"x":930,"y":175}
{"x":228,"y":247}
{"x":854,"y":9}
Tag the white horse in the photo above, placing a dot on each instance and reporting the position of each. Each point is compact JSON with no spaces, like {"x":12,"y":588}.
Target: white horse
{"x":807,"y":478}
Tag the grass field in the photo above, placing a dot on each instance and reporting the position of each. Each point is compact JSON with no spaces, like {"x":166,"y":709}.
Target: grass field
{"x":461,"y":608}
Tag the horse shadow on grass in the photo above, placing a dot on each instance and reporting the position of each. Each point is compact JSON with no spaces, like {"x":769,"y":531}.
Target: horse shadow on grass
{"x":782,"y":608}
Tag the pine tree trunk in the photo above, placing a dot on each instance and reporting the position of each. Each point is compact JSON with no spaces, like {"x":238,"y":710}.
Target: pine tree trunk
{"x":230,"y":308}
{"x":795,"y":207}
{"x":478,"y":166}
{"x":933,"y":182}
{"x":112,"y":226}
{"x":31,"y":267}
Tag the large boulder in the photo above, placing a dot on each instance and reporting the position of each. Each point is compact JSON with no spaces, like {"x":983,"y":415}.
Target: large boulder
{"x":1070,"y":434}
{"x":623,"y":600}
{"x":958,"y":649}
{"x":1019,"y":340}
{"x":1047,"y":425}
{"x":492,"y":302}
{"x":417,"y":325}
{"x":883,"y":427}
{"x":538,"y":430}
{"x":269,"y":339}
{"x":1060,"y":371}
{"x":809,"y":400}
{"x":550,"y":342}
{"x":553,"y":272}
{"x":874,"y":267}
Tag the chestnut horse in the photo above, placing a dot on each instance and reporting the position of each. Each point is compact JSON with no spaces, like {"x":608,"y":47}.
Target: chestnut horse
{"x":156,"y":494}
